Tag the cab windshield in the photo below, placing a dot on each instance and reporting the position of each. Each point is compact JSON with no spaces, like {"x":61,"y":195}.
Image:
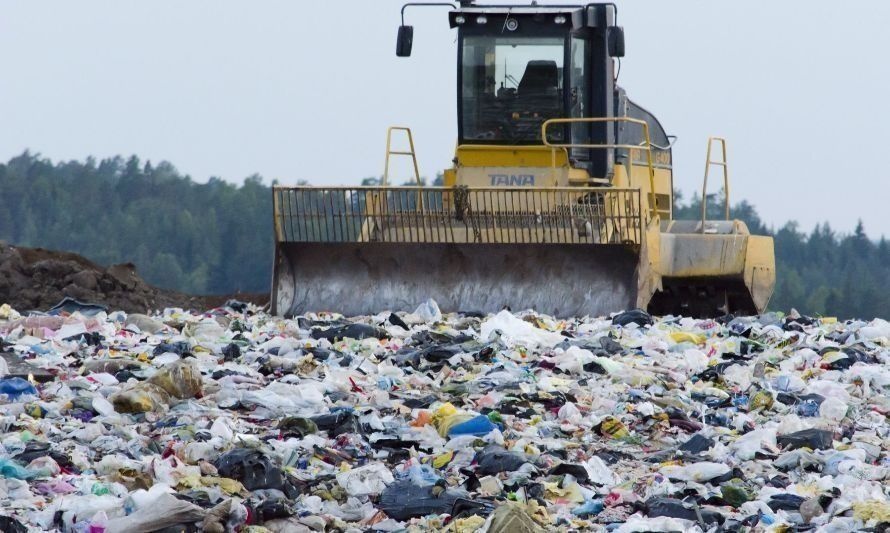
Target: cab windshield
{"x":510,"y":85}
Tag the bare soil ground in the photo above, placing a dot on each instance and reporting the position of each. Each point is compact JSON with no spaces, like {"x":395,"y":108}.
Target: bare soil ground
{"x":38,"y":279}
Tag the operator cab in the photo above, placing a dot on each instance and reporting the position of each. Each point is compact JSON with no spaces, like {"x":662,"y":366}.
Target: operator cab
{"x":510,"y":81}
{"x":519,"y":66}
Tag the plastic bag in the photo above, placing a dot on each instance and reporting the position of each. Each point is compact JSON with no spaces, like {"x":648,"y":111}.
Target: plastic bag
{"x":512,"y":518}
{"x":815,"y":439}
{"x":365,"y":480}
{"x":207,"y":330}
{"x":252,"y":468}
{"x":165,"y":511}
{"x":428,"y":311}
{"x":833,"y":409}
{"x":145,"y":323}
{"x":872,"y":510}
{"x":700,"y":472}
{"x":404,"y":500}
{"x":495,"y":459}
{"x":9,"y":524}
{"x":350,"y":331}
{"x":103,"y":406}
{"x":674,"y":508}
{"x":14,"y":388}
{"x":637,"y":523}
{"x":574,"y":359}
{"x":422,"y":475}
{"x":141,"y":397}
{"x":181,"y":379}
{"x":599,"y":472}
{"x":8,"y":313}
{"x":634,"y":316}
{"x":228,"y":515}
{"x":11,"y":469}
{"x":517,"y":331}
{"x":479,"y":425}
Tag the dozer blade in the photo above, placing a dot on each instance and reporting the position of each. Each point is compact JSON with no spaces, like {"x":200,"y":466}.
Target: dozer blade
{"x":367,"y":278}
{"x":561,"y":251}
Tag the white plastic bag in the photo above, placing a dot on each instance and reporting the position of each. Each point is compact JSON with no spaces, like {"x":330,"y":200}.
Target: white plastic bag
{"x":165,"y":511}
{"x":600,"y":473}
{"x":635,"y":523}
{"x":365,"y":480}
{"x":833,"y":409}
{"x":517,"y":331}
{"x":573,"y":359}
{"x":699,"y":472}
{"x":103,"y":406}
{"x":428,"y":311}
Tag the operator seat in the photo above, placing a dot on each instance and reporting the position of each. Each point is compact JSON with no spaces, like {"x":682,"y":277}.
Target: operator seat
{"x":541,"y":78}
{"x":538,"y":97}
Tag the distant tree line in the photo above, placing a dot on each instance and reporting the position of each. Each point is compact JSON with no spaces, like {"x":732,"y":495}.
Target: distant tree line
{"x":820,"y":273}
{"x":216,"y":237}
{"x":203,"y":238}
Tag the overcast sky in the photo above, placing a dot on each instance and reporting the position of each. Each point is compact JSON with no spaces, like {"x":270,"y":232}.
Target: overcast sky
{"x":305,"y":90}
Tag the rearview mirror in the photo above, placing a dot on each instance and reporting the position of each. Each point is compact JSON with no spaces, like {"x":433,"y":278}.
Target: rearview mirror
{"x":404,"y":41}
{"x":616,"y":41}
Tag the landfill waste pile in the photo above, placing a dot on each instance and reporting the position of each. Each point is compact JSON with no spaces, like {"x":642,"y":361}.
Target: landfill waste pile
{"x":234,"y":420}
{"x":34,"y":278}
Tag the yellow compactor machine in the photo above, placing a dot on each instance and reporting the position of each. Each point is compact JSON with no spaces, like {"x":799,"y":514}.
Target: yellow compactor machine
{"x":560,"y":197}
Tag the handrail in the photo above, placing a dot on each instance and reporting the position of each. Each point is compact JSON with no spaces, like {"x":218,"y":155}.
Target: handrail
{"x":389,"y":152}
{"x":671,"y":140}
{"x":564,"y":215}
{"x":647,"y":146}
{"x":447,"y":188}
{"x":704,"y":192}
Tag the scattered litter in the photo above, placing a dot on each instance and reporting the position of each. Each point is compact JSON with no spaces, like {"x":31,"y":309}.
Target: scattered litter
{"x":415,"y":419}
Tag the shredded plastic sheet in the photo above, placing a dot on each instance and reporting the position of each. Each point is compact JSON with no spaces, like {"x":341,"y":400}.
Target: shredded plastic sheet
{"x":232,"y":420}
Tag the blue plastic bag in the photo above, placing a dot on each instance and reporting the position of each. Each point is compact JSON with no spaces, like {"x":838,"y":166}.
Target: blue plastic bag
{"x":13,"y":388}
{"x":478,"y":426}
{"x":11,"y":469}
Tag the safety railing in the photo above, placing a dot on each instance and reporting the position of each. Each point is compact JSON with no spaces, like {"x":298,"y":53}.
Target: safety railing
{"x":566,"y":215}
{"x":646,"y":146}
{"x":704,"y":190}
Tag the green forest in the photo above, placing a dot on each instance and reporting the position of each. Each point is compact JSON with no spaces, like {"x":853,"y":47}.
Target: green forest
{"x":216,"y":237}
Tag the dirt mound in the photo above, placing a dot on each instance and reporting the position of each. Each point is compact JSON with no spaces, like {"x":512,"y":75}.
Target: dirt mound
{"x":38,"y":279}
